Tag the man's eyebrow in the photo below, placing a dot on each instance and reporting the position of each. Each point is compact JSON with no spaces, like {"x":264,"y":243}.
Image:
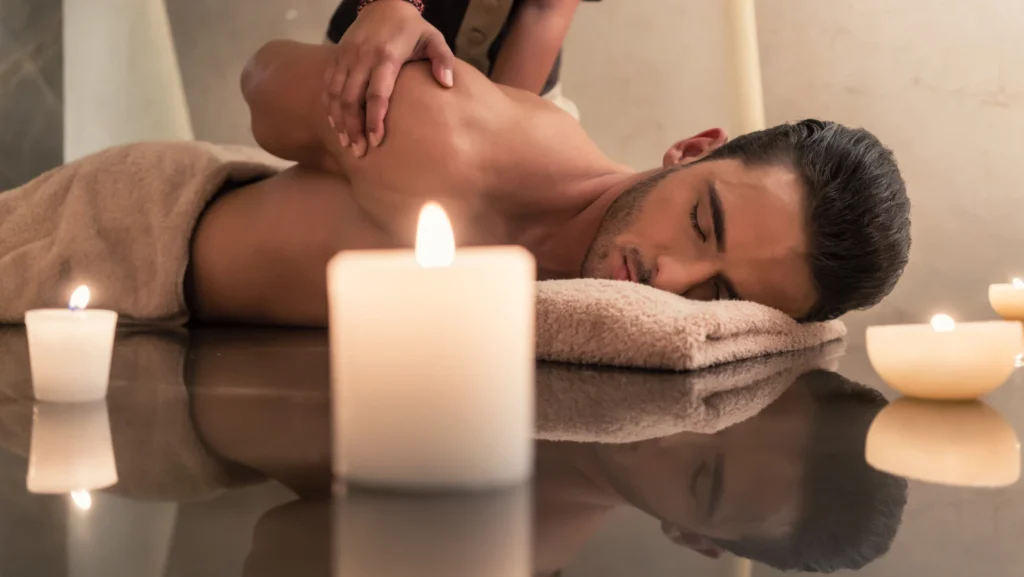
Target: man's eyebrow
{"x":717,"y":216}
{"x":715,"y":497}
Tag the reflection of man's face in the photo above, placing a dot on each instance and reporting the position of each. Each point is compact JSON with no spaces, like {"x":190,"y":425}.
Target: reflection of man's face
{"x":742,"y":482}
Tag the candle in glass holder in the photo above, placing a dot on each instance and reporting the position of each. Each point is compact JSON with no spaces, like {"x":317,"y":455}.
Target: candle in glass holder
{"x":432,"y":359}
{"x":70,"y":350}
{"x":71,"y":449}
{"x":1008,"y":299}
{"x":966,"y":444}
{"x":945,"y":360}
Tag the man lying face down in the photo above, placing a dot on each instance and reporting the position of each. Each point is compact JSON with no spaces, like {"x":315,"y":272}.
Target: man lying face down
{"x":810,"y":218}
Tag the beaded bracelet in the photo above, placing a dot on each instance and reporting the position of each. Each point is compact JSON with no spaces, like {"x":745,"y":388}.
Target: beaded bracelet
{"x":418,"y":4}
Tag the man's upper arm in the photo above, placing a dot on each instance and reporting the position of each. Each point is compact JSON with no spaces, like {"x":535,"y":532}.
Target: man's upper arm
{"x":283,"y":84}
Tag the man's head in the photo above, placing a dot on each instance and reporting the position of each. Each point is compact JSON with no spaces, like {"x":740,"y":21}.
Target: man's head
{"x":789,"y":487}
{"x":810,"y":218}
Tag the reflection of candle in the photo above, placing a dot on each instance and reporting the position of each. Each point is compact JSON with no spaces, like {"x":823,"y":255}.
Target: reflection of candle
{"x":963,"y":444}
{"x":432,"y":358}
{"x":70,"y":350}
{"x":945,"y":360}
{"x":71,"y":448}
{"x":1008,"y":299}
{"x":383,"y":534}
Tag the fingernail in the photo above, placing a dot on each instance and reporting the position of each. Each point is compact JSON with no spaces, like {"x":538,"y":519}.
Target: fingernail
{"x":374,"y":139}
{"x":448,"y":77}
{"x":330,"y":120}
{"x":344,"y":140}
{"x":359,"y":148}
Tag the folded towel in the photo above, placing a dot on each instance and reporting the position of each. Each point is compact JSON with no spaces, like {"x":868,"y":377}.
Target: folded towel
{"x":121,"y":221}
{"x":612,"y":405}
{"x":625,"y":324}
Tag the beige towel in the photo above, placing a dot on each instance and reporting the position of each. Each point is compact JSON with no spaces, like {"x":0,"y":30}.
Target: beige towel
{"x":629,"y":325}
{"x":121,"y":221}
{"x":610,"y":405}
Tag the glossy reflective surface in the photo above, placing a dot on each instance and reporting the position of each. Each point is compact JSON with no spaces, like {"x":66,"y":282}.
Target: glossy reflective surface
{"x":221,"y":443}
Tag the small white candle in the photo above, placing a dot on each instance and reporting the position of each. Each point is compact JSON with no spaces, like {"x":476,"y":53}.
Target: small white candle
{"x":1008,"y":299}
{"x":71,"y":448}
{"x":70,"y":350}
{"x":963,"y":444}
{"x":945,"y":360}
{"x":432,"y":355}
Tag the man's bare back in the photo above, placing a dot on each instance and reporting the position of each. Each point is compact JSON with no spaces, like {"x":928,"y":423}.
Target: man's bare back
{"x":494,"y":157}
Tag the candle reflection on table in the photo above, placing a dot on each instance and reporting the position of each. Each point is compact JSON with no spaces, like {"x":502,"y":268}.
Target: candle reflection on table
{"x":966,"y":444}
{"x":71,"y":449}
{"x":398,"y":535}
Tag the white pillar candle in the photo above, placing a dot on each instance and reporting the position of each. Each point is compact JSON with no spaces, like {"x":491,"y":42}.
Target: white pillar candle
{"x":1008,"y":299}
{"x":964,"y":444}
{"x":945,"y":360}
{"x":432,"y":356}
{"x":70,"y":350}
{"x":71,"y":448}
{"x":380,"y":534}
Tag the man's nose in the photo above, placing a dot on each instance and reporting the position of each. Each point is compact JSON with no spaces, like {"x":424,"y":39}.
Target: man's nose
{"x":681,"y":276}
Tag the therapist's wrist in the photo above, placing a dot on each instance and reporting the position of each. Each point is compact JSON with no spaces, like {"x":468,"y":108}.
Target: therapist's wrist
{"x":418,"y":4}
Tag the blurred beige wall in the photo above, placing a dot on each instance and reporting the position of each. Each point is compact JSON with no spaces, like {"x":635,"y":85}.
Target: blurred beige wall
{"x":940,"y":82}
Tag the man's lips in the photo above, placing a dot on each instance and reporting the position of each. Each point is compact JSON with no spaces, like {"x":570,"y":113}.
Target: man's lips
{"x":625,"y":271}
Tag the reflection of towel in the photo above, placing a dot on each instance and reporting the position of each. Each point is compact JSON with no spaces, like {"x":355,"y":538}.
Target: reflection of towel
{"x":629,"y":325}
{"x":120,"y":220}
{"x":607,"y":405}
{"x":158,"y":453}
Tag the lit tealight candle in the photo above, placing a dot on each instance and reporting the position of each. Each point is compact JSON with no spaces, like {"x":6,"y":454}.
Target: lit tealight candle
{"x":945,"y":360}
{"x":1008,"y":299}
{"x":70,"y":350}
{"x":963,"y":444}
{"x":72,"y":450}
{"x":432,"y":355}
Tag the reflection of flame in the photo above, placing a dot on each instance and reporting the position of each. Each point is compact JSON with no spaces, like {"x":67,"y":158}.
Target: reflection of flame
{"x":82,"y":499}
{"x":943,"y":323}
{"x":1020,"y":361}
{"x":1017,"y":283}
{"x":79,"y":298}
{"x":435,"y":242}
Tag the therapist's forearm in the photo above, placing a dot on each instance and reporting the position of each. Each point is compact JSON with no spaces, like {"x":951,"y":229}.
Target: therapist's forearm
{"x":534,"y":40}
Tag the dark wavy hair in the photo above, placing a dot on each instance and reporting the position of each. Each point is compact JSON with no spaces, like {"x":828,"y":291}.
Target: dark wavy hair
{"x":858,"y":212}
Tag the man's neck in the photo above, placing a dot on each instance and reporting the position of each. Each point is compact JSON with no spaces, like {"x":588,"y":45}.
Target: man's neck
{"x":560,"y":227}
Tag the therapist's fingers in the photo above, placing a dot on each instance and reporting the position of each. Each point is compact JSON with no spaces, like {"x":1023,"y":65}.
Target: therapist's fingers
{"x":442,"y":60}
{"x":378,"y":95}
{"x":352,"y":99}
{"x":337,"y":72}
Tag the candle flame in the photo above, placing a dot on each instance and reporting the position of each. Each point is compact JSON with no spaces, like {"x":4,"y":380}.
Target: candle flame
{"x":943,"y":323}
{"x":79,"y":298}
{"x":1020,"y":361}
{"x":1017,"y":283}
{"x":82,"y":499}
{"x":435,"y":242}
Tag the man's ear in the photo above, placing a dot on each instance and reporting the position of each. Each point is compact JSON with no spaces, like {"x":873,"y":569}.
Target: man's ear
{"x":695,"y":148}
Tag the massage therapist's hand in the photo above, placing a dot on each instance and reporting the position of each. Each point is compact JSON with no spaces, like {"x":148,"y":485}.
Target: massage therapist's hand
{"x":385,"y":35}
